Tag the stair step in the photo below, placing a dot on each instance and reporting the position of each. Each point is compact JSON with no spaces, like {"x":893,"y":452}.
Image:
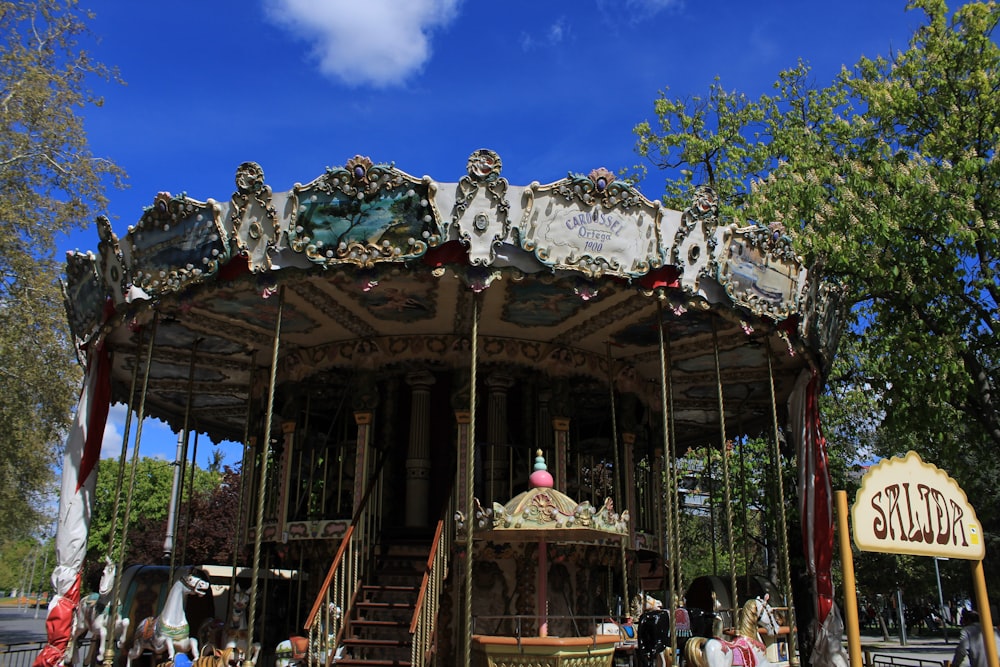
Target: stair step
{"x":371,"y":623}
{"x":371,"y":604}
{"x":390,"y":643}
{"x":390,"y":588}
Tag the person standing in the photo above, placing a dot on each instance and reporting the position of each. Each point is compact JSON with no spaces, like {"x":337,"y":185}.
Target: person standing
{"x":970,"y":642}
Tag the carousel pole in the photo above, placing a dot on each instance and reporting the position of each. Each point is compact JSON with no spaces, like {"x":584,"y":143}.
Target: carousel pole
{"x":665,"y":390}
{"x":674,"y":504}
{"x":262,"y":486}
{"x":177,"y":490}
{"x":243,"y":485}
{"x":123,"y":457}
{"x":727,"y":491}
{"x":783,"y":525}
{"x":470,"y":509}
{"x":109,"y":652}
{"x":619,"y":473}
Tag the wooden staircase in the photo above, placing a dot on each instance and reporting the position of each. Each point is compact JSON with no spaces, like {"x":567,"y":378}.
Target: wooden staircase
{"x":377,"y":629}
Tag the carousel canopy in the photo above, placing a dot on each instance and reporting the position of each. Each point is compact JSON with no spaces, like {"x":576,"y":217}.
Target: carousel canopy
{"x":378,"y":269}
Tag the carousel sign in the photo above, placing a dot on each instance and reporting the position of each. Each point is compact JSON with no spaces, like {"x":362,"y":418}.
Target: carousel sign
{"x":907,"y":506}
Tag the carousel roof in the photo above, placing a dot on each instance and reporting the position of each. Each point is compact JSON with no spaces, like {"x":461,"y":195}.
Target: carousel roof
{"x":544,"y":512}
{"x":380,"y":269}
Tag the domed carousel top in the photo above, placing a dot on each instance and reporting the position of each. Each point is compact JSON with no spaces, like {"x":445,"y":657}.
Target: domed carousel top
{"x":380,"y":267}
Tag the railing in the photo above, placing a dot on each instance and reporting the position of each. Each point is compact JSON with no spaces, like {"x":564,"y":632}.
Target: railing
{"x":526,"y":625}
{"x":423,"y":625}
{"x":890,"y":660}
{"x":24,"y":653}
{"x":343,"y":580}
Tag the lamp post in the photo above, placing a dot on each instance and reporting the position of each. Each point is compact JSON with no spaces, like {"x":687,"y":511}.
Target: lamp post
{"x":944,"y":621}
{"x":45,"y":566}
{"x":31,"y":581}
{"x":22,"y":599}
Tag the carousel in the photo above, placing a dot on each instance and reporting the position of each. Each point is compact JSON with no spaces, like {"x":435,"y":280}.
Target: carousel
{"x":400,"y":357}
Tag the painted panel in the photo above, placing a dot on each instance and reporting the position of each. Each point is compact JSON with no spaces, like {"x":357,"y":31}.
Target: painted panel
{"x":84,"y":292}
{"x":592,"y":224}
{"x":540,"y":304}
{"x":363,"y":214}
{"x":176,"y":243}
{"x":760,"y":271}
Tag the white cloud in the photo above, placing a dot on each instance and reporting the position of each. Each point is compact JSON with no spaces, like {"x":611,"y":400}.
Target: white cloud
{"x":158,"y":440}
{"x":555,"y":34}
{"x":365,"y":42}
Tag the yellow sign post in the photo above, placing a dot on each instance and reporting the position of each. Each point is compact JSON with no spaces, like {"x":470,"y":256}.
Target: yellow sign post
{"x":906,"y":506}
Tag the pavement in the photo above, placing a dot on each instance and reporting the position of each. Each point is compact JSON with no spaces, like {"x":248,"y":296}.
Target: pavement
{"x":19,"y":626}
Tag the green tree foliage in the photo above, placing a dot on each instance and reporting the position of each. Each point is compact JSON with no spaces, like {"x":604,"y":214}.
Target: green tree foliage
{"x":888,"y":178}
{"x":206,"y":522}
{"x":49,"y":184}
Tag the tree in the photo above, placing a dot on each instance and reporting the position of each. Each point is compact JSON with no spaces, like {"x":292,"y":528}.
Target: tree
{"x":889,"y":181}
{"x":211,"y":505}
{"x":49,"y":184}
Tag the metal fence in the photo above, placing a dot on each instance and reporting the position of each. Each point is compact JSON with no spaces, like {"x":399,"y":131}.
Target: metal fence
{"x":890,"y":660}
{"x":19,"y":655}
{"x":24,"y":653}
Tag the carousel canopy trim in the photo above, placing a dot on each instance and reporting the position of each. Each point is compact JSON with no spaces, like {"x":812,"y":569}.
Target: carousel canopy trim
{"x":369,"y":256}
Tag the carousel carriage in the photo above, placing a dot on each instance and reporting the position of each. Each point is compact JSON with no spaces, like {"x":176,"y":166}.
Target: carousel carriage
{"x":392,"y":351}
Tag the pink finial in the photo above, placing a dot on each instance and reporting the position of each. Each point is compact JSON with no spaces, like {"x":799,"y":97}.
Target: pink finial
{"x":541,"y":477}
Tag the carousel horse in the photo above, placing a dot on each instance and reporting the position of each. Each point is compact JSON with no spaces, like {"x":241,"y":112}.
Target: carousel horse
{"x":294,"y":651}
{"x":169,"y":632}
{"x":92,"y":616}
{"x":234,"y":634}
{"x":746,"y":650}
{"x":653,"y":630}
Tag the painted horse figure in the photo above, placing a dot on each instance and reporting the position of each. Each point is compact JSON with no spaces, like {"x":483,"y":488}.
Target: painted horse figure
{"x":746,"y":650}
{"x":653,"y":631}
{"x":169,"y":632}
{"x":235,"y":634}
{"x":92,"y":616}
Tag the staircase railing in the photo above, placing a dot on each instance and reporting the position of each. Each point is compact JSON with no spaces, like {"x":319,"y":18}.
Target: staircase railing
{"x":343,"y":580}
{"x":424,"y":623}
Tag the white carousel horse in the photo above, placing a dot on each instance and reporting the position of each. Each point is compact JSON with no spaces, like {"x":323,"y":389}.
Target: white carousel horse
{"x":746,"y":650}
{"x":234,"y":634}
{"x":92,"y":616}
{"x":169,"y":632}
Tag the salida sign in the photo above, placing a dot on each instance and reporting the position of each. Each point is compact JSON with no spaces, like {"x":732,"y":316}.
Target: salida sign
{"x":907,"y":506}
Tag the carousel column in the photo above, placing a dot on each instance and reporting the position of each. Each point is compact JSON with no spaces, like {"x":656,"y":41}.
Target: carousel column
{"x":628,"y":497}
{"x":366,"y":398}
{"x":363,"y":420}
{"x":560,"y":427}
{"x":285,"y":476}
{"x":496,"y":437}
{"x":463,"y":418}
{"x":418,"y":457}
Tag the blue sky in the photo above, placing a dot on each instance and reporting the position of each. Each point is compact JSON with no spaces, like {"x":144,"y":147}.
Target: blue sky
{"x":552,"y":86}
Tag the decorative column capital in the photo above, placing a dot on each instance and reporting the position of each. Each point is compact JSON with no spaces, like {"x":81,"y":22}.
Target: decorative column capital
{"x":499,"y":383}
{"x":420,"y":379}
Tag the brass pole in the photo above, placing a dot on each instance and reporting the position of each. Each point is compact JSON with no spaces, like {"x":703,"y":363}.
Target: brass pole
{"x":124,"y":455}
{"x":850,"y":584}
{"x":727,"y":497}
{"x":985,"y":616}
{"x":470,"y":508}
{"x":176,"y":509}
{"x":665,"y":476}
{"x":619,"y":478}
{"x":109,"y":651}
{"x":262,"y":486}
{"x":793,"y":655}
{"x":675,"y":498}
{"x":243,"y":479}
